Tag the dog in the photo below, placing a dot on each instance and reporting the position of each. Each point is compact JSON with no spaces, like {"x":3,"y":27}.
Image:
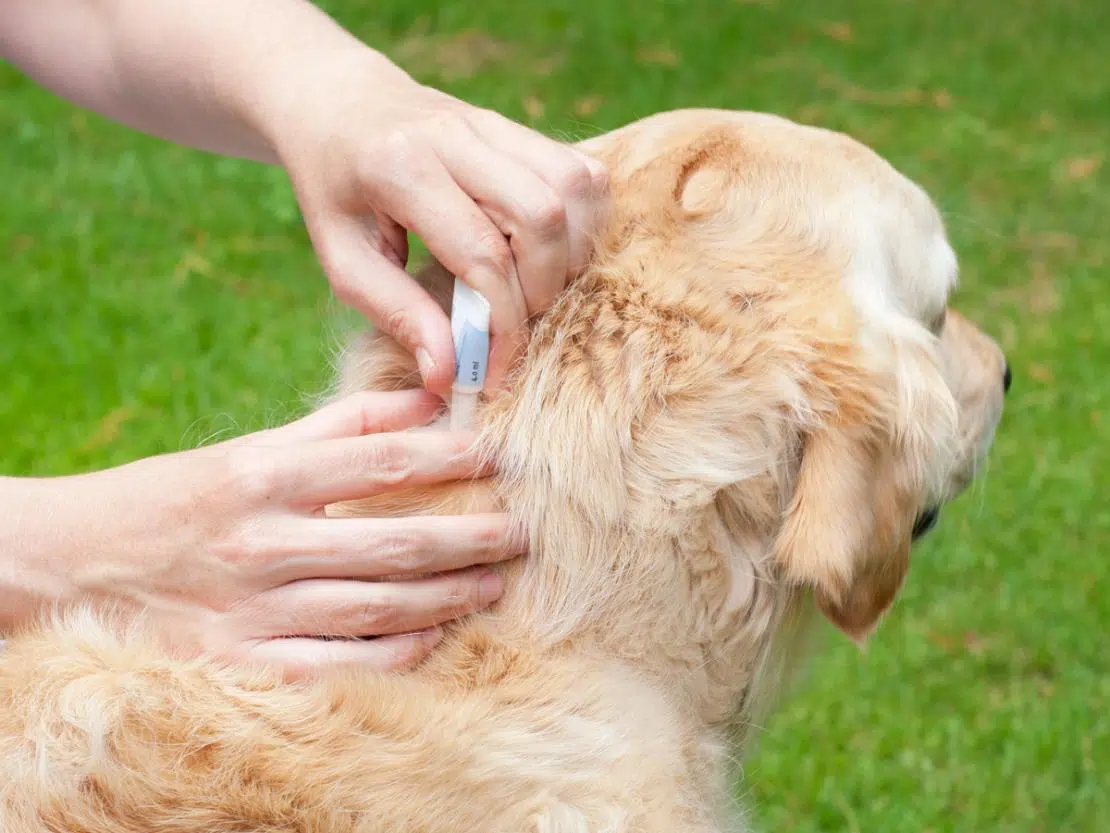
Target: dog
{"x":730,"y":429}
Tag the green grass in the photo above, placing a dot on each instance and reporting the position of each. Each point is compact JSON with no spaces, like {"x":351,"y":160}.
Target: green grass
{"x":156,"y":297}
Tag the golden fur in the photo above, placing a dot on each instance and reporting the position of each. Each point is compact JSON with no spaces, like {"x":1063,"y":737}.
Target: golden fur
{"x":744,"y":403}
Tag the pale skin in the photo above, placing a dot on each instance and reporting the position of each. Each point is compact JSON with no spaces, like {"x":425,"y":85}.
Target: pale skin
{"x":227,"y":548}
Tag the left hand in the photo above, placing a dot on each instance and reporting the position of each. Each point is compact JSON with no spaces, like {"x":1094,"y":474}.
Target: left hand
{"x":372,"y":153}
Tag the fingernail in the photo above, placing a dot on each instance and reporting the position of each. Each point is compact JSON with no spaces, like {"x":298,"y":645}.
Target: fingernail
{"x":490,"y":587}
{"x":425,"y":363}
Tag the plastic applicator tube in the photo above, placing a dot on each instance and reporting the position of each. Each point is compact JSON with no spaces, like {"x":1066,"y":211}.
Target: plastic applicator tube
{"x":470,"y":331}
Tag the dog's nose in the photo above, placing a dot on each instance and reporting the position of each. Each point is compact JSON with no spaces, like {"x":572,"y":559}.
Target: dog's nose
{"x":1007,"y":378}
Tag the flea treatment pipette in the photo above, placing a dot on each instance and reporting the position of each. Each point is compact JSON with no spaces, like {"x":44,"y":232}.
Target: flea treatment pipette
{"x":470,"y":331}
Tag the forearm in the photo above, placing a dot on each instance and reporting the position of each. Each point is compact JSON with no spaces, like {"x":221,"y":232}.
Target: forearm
{"x":34,"y":549}
{"x":213,"y":74}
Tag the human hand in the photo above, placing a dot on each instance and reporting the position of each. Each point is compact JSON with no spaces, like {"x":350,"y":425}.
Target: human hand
{"x":226,"y":549}
{"x":372,"y":153}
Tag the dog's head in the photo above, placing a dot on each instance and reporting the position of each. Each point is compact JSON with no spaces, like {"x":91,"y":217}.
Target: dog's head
{"x":832,"y":273}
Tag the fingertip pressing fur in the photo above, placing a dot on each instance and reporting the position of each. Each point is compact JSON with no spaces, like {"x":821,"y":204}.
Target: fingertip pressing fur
{"x":729,"y":423}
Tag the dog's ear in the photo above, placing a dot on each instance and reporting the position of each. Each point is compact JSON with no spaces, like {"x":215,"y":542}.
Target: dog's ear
{"x":848,"y":526}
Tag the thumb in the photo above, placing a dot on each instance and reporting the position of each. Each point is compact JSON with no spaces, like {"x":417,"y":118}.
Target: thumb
{"x":365,"y":279}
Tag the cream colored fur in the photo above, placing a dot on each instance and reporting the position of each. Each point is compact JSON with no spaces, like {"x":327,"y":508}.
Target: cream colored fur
{"x":730,"y":421}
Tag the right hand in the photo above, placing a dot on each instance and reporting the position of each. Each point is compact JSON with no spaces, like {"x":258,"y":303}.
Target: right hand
{"x":227,"y":551}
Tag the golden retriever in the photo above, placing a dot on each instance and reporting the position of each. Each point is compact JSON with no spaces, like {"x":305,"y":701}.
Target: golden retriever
{"x":745,"y":411}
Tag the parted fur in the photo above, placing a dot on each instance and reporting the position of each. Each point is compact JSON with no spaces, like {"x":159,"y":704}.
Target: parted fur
{"x":744,"y":403}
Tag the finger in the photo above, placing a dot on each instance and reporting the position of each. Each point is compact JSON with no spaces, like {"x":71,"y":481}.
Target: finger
{"x":375,"y":285}
{"x":580,"y":181}
{"x":418,"y":192}
{"x":368,"y":412}
{"x":367,"y":548}
{"x":305,"y":658}
{"x":524,"y":207}
{"x":342,"y":608}
{"x":331,"y":471}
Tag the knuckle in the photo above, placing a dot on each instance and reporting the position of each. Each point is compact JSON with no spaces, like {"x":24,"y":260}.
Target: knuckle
{"x":446,"y":123}
{"x":547,"y":215}
{"x":242,"y":548}
{"x":396,"y":148}
{"x":404,"y":552}
{"x":389,"y":460}
{"x":401,"y":325}
{"x":252,"y":473}
{"x":491,"y":539}
{"x":493,"y":254}
{"x":574,"y":179}
{"x":462,"y":598}
{"x":380,"y":613}
{"x":395,"y":163}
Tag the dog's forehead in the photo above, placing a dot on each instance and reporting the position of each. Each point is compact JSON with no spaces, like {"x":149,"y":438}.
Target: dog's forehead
{"x":640,"y":143}
{"x":898,"y":264}
{"x":899,"y":260}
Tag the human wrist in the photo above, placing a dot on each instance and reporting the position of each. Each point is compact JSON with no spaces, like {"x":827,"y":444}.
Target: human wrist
{"x":294,"y":108}
{"x":83,"y":539}
{"x":38,"y":544}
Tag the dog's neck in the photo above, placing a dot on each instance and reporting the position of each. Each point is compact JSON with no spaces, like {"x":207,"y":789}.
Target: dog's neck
{"x":684,"y":598}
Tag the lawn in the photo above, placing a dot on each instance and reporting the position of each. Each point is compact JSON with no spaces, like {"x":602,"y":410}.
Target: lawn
{"x":157,"y":297}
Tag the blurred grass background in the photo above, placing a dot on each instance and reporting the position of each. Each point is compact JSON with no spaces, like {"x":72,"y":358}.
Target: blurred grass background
{"x":155,"y":297}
